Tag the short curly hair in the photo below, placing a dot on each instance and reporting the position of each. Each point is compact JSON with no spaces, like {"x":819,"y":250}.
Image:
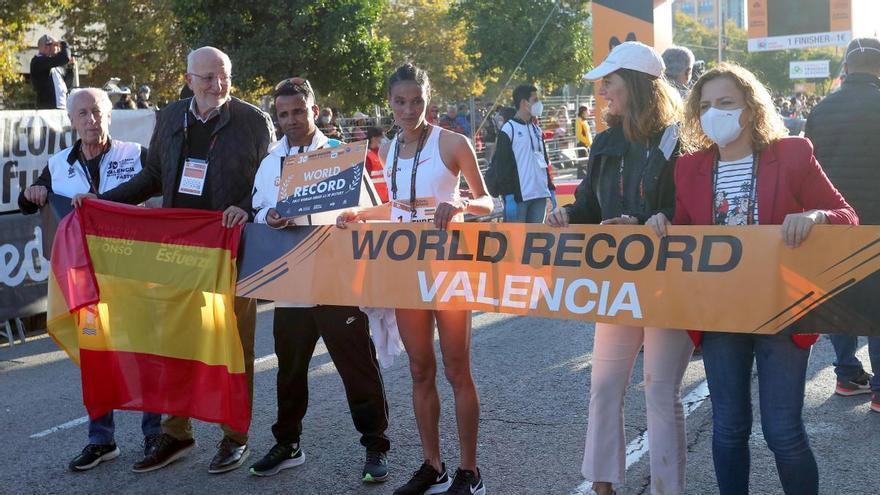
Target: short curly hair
{"x":766,"y":123}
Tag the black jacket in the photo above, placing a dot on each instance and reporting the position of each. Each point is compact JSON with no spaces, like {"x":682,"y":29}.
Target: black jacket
{"x":41,"y":76}
{"x":591,"y":203}
{"x":845,"y":131}
{"x":243,"y":134}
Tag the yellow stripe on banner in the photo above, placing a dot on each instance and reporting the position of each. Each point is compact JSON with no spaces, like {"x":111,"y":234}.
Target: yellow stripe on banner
{"x":189,"y":267}
{"x":169,"y":321}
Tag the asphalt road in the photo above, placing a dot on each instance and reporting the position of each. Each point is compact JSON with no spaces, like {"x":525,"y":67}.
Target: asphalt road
{"x":533,"y":378}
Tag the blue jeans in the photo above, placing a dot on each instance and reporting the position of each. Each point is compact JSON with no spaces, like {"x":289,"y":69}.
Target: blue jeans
{"x":782,"y":376}
{"x":101,"y":429}
{"x":531,"y":211}
{"x":847,"y":366}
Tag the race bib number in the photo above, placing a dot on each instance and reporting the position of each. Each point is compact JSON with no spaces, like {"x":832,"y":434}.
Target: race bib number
{"x":424,"y":211}
{"x":192,"y":180}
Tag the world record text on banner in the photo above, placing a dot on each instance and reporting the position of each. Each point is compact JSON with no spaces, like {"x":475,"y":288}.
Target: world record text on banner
{"x":735,"y":279}
{"x":326,"y":179}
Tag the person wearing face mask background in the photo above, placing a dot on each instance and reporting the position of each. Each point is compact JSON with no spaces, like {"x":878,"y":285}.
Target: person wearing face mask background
{"x":520,"y":161}
{"x":328,"y":125}
{"x":743,"y":168}
{"x":629,"y":178}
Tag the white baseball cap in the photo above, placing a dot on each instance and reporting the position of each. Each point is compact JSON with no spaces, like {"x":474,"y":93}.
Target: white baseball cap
{"x":630,"y":55}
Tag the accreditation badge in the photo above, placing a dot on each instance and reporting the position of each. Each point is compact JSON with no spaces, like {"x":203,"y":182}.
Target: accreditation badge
{"x":192,"y":180}
{"x":424,"y":211}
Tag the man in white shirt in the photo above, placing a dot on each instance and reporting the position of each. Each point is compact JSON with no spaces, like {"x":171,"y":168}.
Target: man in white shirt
{"x":344,"y":329}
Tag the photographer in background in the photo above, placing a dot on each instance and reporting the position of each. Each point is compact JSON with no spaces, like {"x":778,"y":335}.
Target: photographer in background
{"x":49,"y":74}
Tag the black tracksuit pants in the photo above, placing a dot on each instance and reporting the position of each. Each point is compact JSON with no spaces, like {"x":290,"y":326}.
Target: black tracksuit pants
{"x":346,"y":334}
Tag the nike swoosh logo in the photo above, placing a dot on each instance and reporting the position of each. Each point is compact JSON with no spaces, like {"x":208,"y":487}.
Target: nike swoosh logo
{"x":350,"y":320}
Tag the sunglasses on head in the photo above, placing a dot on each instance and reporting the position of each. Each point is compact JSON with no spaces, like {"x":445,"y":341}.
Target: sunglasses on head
{"x":294,"y":82}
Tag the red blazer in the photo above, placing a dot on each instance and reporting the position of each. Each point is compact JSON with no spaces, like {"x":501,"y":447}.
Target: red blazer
{"x":790,"y":180}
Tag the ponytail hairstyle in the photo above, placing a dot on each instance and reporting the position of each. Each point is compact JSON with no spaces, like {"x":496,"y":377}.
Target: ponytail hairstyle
{"x":409,"y":72}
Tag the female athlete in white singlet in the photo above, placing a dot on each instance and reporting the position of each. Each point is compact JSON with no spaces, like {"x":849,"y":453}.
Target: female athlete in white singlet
{"x":422,"y":169}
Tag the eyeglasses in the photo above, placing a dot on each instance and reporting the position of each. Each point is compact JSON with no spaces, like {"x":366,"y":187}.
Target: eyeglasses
{"x":210,"y":78}
{"x":298,"y":83}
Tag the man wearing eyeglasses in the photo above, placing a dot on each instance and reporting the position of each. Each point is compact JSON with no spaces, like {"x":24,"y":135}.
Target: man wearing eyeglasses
{"x":297,"y":328}
{"x":204,"y":154}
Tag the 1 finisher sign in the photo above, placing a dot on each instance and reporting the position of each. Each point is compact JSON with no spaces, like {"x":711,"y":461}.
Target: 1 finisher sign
{"x":739,"y":279}
{"x":322,"y":180}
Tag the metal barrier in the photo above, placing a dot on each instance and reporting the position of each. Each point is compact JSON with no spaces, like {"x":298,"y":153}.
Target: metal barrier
{"x":19,"y":326}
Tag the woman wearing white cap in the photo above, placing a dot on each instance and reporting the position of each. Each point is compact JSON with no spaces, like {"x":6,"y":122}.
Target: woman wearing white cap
{"x":630,"y":179}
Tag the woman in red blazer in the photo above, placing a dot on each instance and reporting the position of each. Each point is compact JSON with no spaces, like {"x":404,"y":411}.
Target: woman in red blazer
{"x":742,"y":169}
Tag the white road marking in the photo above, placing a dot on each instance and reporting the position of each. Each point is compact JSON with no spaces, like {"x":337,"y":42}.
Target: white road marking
{"x":85,"y":419}
{"x":638,"y":447}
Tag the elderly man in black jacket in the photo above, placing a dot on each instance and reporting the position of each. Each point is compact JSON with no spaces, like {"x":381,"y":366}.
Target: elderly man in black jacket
{"x":204,"y":154}
{"x":845,"y":130}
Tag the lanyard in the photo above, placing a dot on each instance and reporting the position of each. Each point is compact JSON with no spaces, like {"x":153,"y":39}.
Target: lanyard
{"x":281,"y":170}
{"x":186,"y":139}
{"x":753,"y":191}
{"x":93,"y":186}
{"x":415,"y":167}
{"x":620,"y":185}
{"x":533,"y":130}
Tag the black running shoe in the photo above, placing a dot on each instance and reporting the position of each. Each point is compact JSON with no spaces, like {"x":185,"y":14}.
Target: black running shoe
{"x":163,"y":451}
{"x":426,"y":481}
{"x":375,"y":467}
{"x":859,"y":384}
{"x":467,"y":483}
{"x":279,"y":457}
{"x":93,"y":455}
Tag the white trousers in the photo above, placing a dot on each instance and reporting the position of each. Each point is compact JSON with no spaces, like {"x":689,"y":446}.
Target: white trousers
{"x":666,"y":356}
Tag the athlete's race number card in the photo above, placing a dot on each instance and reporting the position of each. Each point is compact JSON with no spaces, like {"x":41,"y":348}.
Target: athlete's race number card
{"x":322,"y":180}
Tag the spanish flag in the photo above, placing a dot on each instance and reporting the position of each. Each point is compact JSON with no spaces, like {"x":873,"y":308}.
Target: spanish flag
{"x":142,"y":299}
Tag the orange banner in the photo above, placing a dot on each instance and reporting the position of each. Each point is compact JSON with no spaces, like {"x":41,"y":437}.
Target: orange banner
{"x":739,"y":279}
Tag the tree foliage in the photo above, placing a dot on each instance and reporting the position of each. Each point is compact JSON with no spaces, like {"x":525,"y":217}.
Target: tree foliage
{"x":430,"y":35}
{"x":501,"y":31}
{"x":16,"y":17}
{"x":329,"y":41}
{"x":137,"y":42}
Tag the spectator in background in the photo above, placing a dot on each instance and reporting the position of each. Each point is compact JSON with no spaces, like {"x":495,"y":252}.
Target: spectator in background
{"x":143,"y":98}
{"x":844,"y":129}
{"x":48,"y":73}
{"x":562,"y":117}
{"x":125,"y":102}
{"x":450,"y":120}
{"x":521,"y":163}
{"x":679,"y":63}
{"x":328,"y":125}
{"x":433,"y":116}
{"x":464,"y":119}
{"x":376,"y":136}
{"x":582,"y":131}
{"x":359,"y":130}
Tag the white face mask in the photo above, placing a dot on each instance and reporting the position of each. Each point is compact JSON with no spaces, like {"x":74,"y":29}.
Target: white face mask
{"x":722,"y":126}
{"x":537,"y":108}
